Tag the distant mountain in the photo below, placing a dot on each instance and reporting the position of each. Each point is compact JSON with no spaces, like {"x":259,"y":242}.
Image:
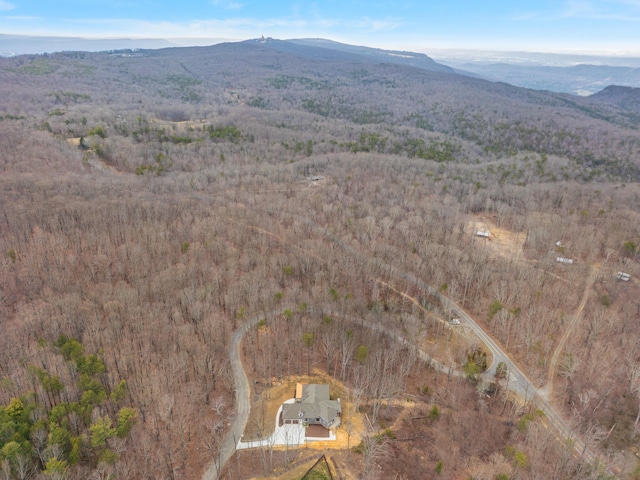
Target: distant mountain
{"x":12,"y":45}
{"x":458,"y":57}
{"x":579,"y":79}
{"x":411,"y":59}
{"x":539,"y":71}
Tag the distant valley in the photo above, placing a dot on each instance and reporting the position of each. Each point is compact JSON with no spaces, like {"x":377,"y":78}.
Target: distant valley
{"x":576,"y":80}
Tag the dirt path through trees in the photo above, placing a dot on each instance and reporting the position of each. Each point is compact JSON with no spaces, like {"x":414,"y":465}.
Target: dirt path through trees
{"x":553,"y":364}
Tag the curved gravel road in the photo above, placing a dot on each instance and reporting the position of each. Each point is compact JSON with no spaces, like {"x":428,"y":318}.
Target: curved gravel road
{"x":239,"y":422}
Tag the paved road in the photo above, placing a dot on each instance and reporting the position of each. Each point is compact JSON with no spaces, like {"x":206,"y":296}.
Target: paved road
{"x":518,"y":381}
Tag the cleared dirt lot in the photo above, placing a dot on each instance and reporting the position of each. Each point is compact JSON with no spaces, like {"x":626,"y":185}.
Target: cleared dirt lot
{"x":501,"y":241}
{"x":269,"y":395}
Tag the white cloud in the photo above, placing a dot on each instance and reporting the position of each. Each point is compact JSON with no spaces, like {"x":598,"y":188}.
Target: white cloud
{"x":367,"y":23}
{"x":605,"y":10}
{"x":234,"y":27}
{"x":6,"y":5}
{"x":617,"y":10}
{"x":634,"y":3}
{"x":228,"y":5}
{"x":22,"y":18}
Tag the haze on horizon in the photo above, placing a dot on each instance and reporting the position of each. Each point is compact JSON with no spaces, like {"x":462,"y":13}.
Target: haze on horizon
{"x":604,"y":27}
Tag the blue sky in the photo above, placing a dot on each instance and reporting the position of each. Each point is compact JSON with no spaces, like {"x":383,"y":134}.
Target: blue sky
{"x":595,"y":26}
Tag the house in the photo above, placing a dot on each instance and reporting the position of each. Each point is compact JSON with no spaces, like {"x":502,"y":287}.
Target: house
{"x":625,"y":277}
{"x":312,"y":406}
{"x":482,"y":233}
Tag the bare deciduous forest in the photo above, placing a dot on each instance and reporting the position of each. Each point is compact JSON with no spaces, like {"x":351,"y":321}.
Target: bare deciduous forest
{"x":154,"y":201}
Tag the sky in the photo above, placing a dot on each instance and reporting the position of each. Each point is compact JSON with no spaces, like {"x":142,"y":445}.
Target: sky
{"x":567,"y":26}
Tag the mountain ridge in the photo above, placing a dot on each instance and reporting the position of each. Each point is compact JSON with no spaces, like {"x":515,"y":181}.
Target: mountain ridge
{"x":520,"y":69}
{"x":14,"y":45}
{"x":401,"y":57}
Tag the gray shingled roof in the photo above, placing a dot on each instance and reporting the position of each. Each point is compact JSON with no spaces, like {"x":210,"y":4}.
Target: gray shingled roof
{"x":315,"y":403}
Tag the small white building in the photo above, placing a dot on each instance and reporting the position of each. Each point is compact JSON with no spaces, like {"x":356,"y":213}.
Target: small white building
{"x":482,"y":233}
{"x":625,"y":277}
{"x":566,"y":261}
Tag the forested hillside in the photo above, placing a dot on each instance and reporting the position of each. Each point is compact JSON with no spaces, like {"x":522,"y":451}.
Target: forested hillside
{"x":154,"y":201}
